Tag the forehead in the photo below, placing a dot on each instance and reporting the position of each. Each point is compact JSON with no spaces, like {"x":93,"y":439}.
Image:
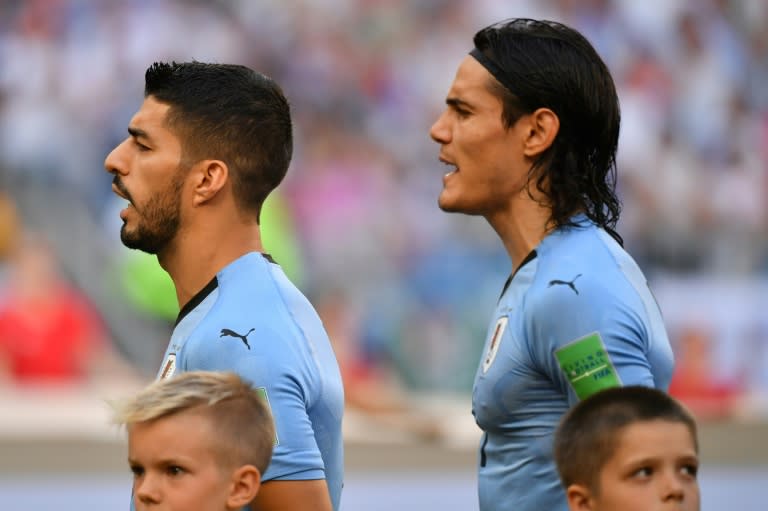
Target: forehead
{"x":655,"y":438}
{"x":151,"y":117}
{"x":187,"y":433}
{"x":472,"y":82}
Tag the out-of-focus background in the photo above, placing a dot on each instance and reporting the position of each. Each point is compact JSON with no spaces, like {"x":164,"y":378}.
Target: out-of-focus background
{"x":404,"y":289}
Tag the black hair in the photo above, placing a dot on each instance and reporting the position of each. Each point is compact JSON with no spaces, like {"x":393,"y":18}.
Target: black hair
{"x":587,"y":434}
{"x":231,"y":113}
{"x":546,"y":64}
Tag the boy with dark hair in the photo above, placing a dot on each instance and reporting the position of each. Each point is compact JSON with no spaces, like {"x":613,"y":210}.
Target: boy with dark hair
{"x":626,"y":449}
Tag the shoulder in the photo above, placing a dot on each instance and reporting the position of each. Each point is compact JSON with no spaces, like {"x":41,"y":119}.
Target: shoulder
{"x":581,"y":280}
{"x":256,"y":279}
{"x":251,"y":288}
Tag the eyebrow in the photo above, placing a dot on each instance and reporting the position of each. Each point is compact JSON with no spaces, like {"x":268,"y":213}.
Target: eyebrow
{"x":457,"y":103}
{"x":138,"y":133}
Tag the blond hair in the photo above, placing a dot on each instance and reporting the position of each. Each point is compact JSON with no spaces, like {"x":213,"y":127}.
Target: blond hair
{"x":239,"y":413}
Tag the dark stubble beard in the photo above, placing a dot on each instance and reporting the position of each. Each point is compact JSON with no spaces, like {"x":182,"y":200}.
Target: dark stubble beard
{"x":159,"y":218}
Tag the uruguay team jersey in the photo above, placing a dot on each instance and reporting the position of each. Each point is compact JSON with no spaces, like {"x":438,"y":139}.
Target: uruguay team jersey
{"x":252,"y":320}
{"x":576,"y":317}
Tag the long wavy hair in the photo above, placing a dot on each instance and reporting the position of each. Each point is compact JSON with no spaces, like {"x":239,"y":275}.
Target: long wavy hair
{"x":548,"y":64}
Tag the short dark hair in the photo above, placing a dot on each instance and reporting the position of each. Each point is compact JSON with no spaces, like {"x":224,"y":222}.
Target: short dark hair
{"x":548,"y":64}
{"x":231,"y":113}
{"x":587,"y":435}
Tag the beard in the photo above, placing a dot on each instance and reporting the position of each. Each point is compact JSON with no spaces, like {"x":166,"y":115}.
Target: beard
{"x":159,"y":219}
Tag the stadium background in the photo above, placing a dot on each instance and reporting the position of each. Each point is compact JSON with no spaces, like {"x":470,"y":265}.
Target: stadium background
{"x":404,"y":289}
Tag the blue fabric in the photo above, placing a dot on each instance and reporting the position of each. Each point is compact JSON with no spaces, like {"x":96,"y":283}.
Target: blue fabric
{"x":580,"y":283}
{"x":288,"y":354}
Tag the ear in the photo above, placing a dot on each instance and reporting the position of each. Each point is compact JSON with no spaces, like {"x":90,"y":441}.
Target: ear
{"x":542,"y":127}
{"x":579,"y":498}
{"x":210,"y":177}
{"x":245,"y":484}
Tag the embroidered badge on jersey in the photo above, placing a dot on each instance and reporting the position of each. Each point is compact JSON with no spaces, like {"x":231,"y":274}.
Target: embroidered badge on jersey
{"x":169,"y":367}
{"x":493,"y":348}
{"x":587,"y":365}
{"x":263,"y":393}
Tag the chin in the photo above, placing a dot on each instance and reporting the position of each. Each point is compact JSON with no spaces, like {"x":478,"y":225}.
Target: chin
{"x":446,"y":204}
{"x":134,"y":241}
{"x":451,"y":206}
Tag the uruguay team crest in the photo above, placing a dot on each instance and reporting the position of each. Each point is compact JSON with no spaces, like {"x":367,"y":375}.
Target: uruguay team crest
{"x":169,"y":367}
{"x":493,"y":347}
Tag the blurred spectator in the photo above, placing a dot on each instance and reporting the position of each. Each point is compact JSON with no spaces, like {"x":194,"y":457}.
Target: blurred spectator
{"x":373,"y":392}
{"x":9,"y":230}
{"x":695,"y":380}
{"x":49,"y":333}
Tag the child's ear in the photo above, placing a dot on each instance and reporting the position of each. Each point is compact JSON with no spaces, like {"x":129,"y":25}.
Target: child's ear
{"x":579,"y":498}
{"x":245,"y":484}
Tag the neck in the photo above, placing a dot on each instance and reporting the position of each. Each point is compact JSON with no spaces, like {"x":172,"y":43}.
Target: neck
{"x":193,"y":258}
{"x":521,"y":227}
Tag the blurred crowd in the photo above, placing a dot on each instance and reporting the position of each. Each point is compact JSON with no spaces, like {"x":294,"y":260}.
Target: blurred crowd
{"x":405,"y":289}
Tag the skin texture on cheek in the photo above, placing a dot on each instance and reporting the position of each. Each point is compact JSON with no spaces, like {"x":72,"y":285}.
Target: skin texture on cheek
{"x":199,"y":482}
{"x":648,"y":471}
{"x":474,"y":138}
{"x":158,"y":219}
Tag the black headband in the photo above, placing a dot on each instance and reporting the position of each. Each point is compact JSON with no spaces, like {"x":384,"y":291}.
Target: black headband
{"x":494,"y":69}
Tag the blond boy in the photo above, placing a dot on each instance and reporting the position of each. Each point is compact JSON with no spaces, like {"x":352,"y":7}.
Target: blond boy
{"x":200,"y":440}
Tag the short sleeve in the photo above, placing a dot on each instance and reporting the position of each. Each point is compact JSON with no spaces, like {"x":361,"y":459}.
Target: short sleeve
{"x":296,"y":455}
{"x":589,"y":340}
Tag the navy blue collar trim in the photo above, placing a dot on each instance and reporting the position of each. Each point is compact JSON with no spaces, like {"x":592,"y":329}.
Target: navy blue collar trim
{"x":530,"y":257}
{"x":203,"y":293}
{"x":197,"y":299}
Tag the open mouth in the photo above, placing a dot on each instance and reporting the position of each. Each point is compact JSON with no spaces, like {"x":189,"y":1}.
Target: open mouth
{"x":452,"y":166}
{"x":119,"y":190}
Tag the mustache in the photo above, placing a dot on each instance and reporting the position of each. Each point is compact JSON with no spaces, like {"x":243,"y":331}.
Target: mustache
{"x":121,"y":187}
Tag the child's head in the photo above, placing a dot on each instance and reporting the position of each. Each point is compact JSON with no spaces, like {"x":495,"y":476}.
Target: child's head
{"x":628,"y":448}
{"x":200,"y":440}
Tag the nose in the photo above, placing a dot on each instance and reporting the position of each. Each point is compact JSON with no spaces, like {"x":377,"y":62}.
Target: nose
{"x":439,"y":130}
{"x":145,"y":491}
{"x":673,"y":488}
{"x":114,"y":162}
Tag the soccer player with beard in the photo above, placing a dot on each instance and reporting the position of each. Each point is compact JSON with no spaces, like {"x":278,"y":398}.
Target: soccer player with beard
{"x":530,"y":130}
{"x":204,"y":150}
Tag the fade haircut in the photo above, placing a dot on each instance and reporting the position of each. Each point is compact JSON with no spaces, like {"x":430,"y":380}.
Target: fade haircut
{"x":588,"y":433}
{"x":237,"y":412}
{"x":230,"y":113}
{"x":545,"y":64}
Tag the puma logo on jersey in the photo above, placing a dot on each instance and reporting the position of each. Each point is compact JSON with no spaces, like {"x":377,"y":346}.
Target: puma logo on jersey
{"x":231,"y":333}
{"x":566,"y":283}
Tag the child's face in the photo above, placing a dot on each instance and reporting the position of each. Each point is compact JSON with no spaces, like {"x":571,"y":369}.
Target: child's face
{"x":652,"y":469}
{"x":174,"y":465}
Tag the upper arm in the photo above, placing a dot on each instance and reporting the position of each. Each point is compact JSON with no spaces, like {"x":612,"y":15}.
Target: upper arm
{"x":296,"y":455}
{"x":311,"y":495}
{"x":590,"y":341}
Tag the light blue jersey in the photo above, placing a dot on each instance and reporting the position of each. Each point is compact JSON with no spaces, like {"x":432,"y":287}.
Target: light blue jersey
{"x":252,"y":320}
{"x":576,"y":317}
